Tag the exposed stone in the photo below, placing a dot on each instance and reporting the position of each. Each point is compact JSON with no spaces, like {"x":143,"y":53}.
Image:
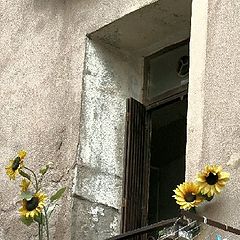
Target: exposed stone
{"x":94,"y":221}
{"x":99,"y":187}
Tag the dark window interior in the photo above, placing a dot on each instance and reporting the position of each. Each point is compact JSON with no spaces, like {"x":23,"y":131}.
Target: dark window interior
{"x":167,"y":159}
{"x":156,"y":140}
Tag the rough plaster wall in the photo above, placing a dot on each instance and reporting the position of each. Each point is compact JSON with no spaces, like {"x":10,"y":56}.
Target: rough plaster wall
{"x":42,"y":52}
{"x":218,"y":101}
{"x":110,"y":77}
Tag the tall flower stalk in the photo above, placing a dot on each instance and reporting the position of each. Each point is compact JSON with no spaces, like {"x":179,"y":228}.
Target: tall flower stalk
{"x":36,"y":207}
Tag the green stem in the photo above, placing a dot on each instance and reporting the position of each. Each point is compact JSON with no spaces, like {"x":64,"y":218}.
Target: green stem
{"x":193,"y":210}
{"x":46,"y":218}
{"x":41,"y":227}
{"x":39,"y":232}
{"x":35,"y":177}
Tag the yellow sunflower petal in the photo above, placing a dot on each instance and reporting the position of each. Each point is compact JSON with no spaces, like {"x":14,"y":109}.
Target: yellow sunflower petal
{"x":22,"y":154}
{"x":224,"y":175}
{"x":186,"y":195}
{"x":212,"y":179}
{"x":34,"y":206}
{"x":24,"y":185}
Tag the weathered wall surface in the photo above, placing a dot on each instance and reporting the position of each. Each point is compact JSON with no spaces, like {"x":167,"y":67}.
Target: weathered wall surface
{"x":42,"y":46}
{"x":113,"y":72}
{"x":110,"y":77}
{"x":214,"y":106}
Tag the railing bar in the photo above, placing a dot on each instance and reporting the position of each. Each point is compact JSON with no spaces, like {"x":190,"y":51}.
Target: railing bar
{"x":145,"y":229}
{"x":211,"y":222}
{"x":178,"y":230}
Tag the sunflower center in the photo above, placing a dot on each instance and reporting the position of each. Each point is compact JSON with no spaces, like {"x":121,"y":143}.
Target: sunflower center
{"x":189,"y":197}
{"x":16,"y":163}
{"x":212,"y":178}
{"x":32,"y":204}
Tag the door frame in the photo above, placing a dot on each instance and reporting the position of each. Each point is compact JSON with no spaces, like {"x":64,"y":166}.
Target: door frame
{"x":174,"y":96}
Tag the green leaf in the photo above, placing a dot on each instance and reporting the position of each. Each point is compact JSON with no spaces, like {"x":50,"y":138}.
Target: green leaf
{"x":58,"y":194}
{"x":40,"y":219}
{"x":24,"y":175}
{"x":44,"y":169}
{"x":26,"y":195}
{"x":27,"y":221}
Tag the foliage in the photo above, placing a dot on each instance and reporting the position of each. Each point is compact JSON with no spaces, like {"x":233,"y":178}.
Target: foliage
{"x":36,"y":207}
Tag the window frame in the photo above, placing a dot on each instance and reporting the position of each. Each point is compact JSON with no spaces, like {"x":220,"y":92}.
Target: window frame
{"x":157,"y":100}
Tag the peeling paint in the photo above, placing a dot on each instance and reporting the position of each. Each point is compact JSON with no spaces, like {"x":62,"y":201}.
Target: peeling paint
{"x":114,"y":225}
{"x":95,"y":212}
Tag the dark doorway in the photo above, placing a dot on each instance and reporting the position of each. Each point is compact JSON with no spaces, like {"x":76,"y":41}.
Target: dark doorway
{"x":167,"y":164}
{"x":156,"y":139}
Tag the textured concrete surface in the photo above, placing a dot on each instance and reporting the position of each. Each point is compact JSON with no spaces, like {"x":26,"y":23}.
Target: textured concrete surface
{"x":214,"y":110}
{"x":113,"y":72}
{"x":100,"y":217}
{"x":42,"y":46}
{"x":110,"y":77}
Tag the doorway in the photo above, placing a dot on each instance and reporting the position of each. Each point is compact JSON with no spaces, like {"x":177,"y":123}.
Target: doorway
{"x":167,"y":158}
{"x":156,"y":139}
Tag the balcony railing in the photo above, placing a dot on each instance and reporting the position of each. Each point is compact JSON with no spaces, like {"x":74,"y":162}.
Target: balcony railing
{"x":187,"y":227}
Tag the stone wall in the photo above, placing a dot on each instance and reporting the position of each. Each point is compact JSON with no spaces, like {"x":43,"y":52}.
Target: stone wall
{"x":42,"y":46}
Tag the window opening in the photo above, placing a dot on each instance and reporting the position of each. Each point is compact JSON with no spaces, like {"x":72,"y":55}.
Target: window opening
{"x":167,"y":162}
{"x":166,"y":70}
{"x":166,"y":83}
{"x":156,"y":140}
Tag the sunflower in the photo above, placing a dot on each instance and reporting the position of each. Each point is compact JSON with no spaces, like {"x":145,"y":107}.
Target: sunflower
{"x":22,"y":154}
{"x":14,"y":165}
{"x":24,"y":185}
{"x":212,"y":179}
{"x":187,"y":195}
{"x":34,"y":206}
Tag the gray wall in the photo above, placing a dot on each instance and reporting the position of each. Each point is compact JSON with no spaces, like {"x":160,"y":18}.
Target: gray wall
{"x":214,"y":106}
{"x":113,"y":71}
{"x":42,"y":45}
{"x":110,"y":77}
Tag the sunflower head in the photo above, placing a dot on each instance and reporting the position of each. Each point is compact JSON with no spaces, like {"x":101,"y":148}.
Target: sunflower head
{"x":187,"y":195}
{"x":24,"y":185}
{"x":13,"y":167}
{"x":22,"y":154}
{"x":34,"y":206}
{"x":212,"y":179}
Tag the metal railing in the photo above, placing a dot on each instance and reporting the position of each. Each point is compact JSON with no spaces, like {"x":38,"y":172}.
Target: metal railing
{"x":186,"y":227}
